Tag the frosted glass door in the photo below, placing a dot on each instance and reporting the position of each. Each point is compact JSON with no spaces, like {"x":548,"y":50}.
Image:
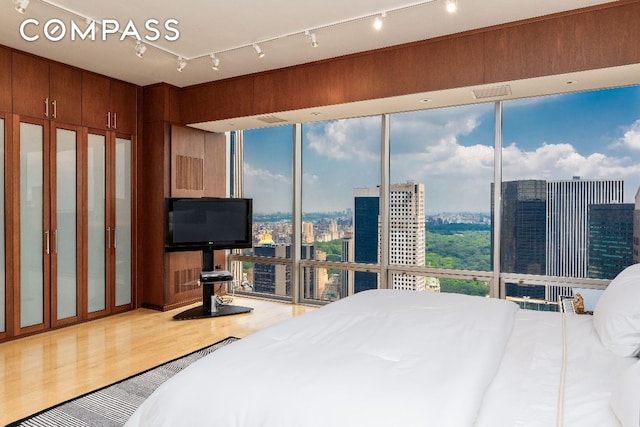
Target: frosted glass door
{"x":3,"y":297}
{"x":66,"y":218}
{"x":122,"y":242}
{"x":96,"y":224}
{"x":32,"y":233}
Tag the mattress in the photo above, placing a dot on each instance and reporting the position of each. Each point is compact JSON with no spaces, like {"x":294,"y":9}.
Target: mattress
{"x":400,"y":358}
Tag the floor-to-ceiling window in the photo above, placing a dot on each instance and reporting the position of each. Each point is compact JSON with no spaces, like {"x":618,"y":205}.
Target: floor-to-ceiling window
{"x":571,"y":172}
{"x":267,"y":168}
{"x":340,"y":205}
{"x":441,"y":169}
{"x":568,"y":167}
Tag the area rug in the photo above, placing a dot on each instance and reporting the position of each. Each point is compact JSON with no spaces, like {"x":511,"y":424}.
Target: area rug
{"x":112,"y":405}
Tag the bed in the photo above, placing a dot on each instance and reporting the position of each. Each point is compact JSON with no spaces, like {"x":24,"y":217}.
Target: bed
{"x":401,"y":358}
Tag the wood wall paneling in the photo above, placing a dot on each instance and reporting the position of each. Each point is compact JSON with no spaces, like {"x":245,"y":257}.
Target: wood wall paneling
{"x":215,"y":171}
{"x":595,"y":39}
{"x":5,"y":80}
{"x":217,"y":100}
{"x":603,"y":36}
{"x":187,"y":162}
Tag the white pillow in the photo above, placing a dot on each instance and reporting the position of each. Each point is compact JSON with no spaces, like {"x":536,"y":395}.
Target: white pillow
{"x":616,"y":317}
{"x":625,"y":399}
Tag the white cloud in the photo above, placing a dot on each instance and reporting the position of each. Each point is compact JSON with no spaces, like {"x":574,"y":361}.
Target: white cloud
{"x":631,"y":138}
{"x":351,"y":139}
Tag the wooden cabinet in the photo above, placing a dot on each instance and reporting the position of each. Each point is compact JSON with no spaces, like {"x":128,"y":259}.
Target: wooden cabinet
{"x":5,"y":80}
{"x":45,"y":241}
{"x":109,"y":226}
{"x":108,"y":104}
{"x":47,"y":90}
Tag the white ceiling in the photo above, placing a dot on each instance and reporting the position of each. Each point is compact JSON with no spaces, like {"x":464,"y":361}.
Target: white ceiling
{"x":229,"y":28}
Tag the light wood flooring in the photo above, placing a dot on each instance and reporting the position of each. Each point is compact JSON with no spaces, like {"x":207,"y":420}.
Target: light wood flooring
{"x":45,"y":369}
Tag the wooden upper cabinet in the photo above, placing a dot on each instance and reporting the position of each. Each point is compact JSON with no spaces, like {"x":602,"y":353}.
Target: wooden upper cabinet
{"x":108,"y":104}
{"x":30,"y":86}
{"x":5,"y":80}
{"x":65,"y":94}
{"x":96,"y":91}
{"x":123,"y":107}
{"x":46,"y":90}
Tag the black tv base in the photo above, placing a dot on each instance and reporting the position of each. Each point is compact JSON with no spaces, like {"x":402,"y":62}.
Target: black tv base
{"x":221,"y":310}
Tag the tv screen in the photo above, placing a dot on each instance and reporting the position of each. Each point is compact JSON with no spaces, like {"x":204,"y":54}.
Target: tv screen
{"x":208,"y":223}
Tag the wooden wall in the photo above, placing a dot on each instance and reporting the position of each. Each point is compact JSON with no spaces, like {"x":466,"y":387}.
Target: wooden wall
{"x":602,"y":36}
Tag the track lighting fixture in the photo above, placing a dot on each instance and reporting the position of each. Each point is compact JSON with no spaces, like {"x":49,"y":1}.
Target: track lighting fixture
{"x":181,"y":63}
{"x":258,"y":50}
{"x":312,"y":38}
{"x":141,"y":48}
{"x":452,"y":6}
{"x":21,"y":5}
{"x":215,"y":62}
{"x":377,"y":23}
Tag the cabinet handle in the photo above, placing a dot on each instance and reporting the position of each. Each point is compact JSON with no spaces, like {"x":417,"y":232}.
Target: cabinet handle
{"x":108,"y":120}
{"x":108,"y":237}
{"x":46,"y":240}
{"x":115,"y":120}
{"x":55,"y":108}
{"x":46,"y":107}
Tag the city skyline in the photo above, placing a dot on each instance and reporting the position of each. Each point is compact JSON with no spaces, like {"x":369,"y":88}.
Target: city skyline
{"x":594,"y":135}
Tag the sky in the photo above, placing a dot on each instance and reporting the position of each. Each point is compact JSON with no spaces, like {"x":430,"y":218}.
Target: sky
{"x":593,"y":135}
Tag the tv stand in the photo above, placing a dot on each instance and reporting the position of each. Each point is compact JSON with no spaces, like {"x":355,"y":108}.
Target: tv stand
{"x":210,"y":308}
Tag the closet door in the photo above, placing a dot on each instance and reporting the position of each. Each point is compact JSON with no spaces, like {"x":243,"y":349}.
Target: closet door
{"x":99,"y":234}
{"x":65,"y":226}
{"x":3,"y":282}
{"x":34,"y":237}
{"x":122,"y":222}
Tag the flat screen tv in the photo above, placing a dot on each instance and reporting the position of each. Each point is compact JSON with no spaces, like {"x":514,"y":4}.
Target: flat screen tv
{"x":207,"y":223}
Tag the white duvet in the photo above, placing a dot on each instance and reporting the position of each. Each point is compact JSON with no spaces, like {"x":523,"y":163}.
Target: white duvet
{"x":378,"y":358}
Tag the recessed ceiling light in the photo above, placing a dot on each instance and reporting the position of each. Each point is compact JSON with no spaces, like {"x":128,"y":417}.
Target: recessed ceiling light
{"x":315,"y":113}
{"x":571,"y":82}
{"x":425,"y":100}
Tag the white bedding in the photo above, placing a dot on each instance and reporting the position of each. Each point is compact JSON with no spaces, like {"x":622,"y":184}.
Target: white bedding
{"x":525,"y":391}
{"x":378,"y":358}
{"x":398,"y":358}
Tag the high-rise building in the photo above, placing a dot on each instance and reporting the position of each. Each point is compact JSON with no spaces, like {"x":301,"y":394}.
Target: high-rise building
{"x":406,"y":233}
{"x":346,"y":288}
{"x":365,"y":228}
{"x":636,"y":228}
{"x":275,"y":279}
{"x":307,"y":232}
{"x":567,"y":222}
{"x":522,"y":226}
{"x":610,"y":239}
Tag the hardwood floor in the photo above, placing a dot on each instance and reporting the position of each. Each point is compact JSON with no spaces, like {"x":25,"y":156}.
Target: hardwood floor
{"x":45,"y":369}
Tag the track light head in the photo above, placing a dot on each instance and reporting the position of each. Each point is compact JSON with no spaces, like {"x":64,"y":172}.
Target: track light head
{"x":21,"y":6}
{"x":215,"y":62}
{"x":312,"y":38}
{"x":258,"y":50}
{"x":140,"y":48}
{"x":182,"y":63}
{"x":452,"y":6}
{"x":377,"y":23}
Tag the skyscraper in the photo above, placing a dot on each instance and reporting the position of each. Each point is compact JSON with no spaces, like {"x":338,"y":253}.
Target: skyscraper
{"x":406,"y":233}
{"x":567,"y":222}
{"x":522,"y":228}
{"x":610,"y":239}
{"x":365,"y":243}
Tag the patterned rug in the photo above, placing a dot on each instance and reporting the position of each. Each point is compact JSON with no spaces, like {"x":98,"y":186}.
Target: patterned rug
{"x":113,"y":405}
